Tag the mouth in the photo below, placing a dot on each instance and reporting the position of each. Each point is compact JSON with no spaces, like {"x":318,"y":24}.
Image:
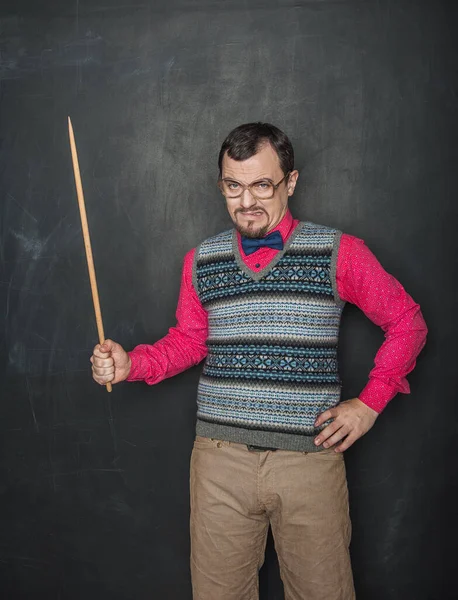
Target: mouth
{"x":254,"y":214}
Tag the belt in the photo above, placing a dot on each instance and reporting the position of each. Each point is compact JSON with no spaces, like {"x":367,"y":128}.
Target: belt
{"x":260,"y":448}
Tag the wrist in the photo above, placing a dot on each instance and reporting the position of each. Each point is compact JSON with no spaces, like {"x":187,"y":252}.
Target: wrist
{"x":133,"y":369}
{"x":368,"y":408}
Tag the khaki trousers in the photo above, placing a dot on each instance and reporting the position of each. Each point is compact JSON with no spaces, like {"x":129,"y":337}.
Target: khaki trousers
{"x":236,"y":493}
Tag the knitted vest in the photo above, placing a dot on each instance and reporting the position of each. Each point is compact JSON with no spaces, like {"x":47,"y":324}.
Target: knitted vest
{"x":272,"y":345}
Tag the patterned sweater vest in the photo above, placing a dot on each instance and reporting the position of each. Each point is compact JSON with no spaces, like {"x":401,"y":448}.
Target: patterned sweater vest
{"x":272,"y":346}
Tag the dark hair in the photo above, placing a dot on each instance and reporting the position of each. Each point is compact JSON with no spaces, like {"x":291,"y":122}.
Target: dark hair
{"x":244,"y":141}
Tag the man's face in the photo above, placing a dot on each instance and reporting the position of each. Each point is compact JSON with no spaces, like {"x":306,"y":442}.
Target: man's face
{"x":253,"y":217}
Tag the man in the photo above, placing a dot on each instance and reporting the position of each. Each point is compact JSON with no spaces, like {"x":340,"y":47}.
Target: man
{"x":263,"y":303}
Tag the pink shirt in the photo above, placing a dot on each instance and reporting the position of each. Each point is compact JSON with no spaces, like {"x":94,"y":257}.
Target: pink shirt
{"x":361,"y":280}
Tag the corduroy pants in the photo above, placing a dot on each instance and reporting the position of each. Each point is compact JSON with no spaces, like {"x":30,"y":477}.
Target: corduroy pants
{"x":236,"y":493}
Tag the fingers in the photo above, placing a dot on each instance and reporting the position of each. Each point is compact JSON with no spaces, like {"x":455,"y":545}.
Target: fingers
{"x":103,"y":373}
{"x":103,"y":376}
{"x":336,"y":437}
{"x":327,"y":432}
{"x":102,"y":362}
{"x":349,"y":440}
{"x":332,"y":434}
{"x":325,"y":416}
{"x":102,"y":366}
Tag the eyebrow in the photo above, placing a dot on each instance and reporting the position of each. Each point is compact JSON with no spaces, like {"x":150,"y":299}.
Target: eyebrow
{"x":254,"y":181}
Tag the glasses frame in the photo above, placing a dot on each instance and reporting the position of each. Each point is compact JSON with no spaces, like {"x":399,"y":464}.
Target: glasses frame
{"x":249,"y":187}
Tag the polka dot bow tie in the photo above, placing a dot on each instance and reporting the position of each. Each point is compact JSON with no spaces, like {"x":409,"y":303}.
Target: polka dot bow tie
{"x":273,"y":240}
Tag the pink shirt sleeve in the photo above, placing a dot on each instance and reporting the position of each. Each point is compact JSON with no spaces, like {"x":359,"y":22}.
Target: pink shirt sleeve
{"x":362,"y":280}
{"x":184,"y":345}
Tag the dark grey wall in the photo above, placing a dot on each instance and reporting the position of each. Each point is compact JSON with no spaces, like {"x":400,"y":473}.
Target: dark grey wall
{"x":94,"y":487}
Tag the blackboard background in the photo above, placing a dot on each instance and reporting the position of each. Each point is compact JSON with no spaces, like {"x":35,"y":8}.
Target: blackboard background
{"x":94,"y":487}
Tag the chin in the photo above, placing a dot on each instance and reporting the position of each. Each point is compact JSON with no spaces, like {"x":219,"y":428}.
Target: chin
{"x":252,"y":231}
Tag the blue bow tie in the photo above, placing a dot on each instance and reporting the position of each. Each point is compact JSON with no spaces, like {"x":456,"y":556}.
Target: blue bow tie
{"x":273,"y":240}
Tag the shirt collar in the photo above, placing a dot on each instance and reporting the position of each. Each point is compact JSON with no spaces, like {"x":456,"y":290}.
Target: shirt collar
{"x":285,"y":225}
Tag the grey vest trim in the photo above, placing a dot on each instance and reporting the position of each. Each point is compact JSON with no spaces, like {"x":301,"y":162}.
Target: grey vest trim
{"x":268,"y":439}
{"x":334,"y":256}
{"x":260,"y":274}
{"x":194,"y":267}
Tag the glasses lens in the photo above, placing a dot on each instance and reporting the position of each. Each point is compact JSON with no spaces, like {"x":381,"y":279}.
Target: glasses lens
{"x":231,"y":189}
{"x":262,"y":189}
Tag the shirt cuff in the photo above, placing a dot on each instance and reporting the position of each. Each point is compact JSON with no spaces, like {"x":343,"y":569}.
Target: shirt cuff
{"x":135,"y":367}
{"x":377,"y":394}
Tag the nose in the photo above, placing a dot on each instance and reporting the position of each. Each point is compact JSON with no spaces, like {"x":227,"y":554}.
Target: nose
{"x":246,"y":199}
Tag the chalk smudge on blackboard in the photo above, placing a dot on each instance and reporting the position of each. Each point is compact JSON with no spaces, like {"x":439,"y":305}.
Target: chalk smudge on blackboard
{"x":30,"y":394}
{"x":32,"y":246}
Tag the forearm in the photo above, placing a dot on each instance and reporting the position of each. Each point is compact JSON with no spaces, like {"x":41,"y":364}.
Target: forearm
{"x":395,"y":359}
{"x":169,"y":356}
{"x":363,"y":281}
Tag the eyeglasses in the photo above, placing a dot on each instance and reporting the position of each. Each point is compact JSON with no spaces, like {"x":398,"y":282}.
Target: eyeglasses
{"x":262,"y":189}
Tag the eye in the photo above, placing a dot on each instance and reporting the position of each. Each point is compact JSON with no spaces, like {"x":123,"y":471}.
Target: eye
{"x":232,"y":185}
{"x":262,"y":185}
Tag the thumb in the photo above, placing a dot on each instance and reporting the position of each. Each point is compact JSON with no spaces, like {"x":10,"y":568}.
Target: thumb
{"x":108,"y":346}
{"x":116,"y":351}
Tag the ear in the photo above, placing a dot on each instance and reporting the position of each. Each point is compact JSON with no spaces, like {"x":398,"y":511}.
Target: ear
{"x":292,"y":180}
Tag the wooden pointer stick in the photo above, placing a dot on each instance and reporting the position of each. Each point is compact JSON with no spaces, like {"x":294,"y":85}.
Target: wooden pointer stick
{"x":87,"y":239}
